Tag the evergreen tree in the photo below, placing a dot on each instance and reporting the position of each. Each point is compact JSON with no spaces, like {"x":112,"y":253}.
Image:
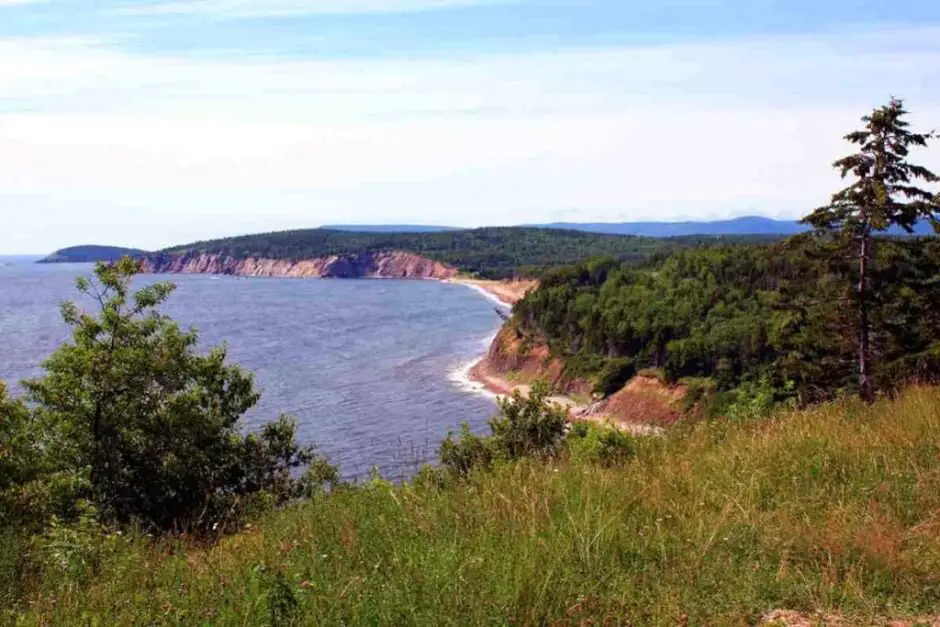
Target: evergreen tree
{"x":885,"y":194}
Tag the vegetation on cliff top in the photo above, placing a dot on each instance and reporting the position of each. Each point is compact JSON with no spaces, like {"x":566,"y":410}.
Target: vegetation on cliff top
{"x":772,"y":316}
{"x":92,"y":254}
{"x":488,"y":252}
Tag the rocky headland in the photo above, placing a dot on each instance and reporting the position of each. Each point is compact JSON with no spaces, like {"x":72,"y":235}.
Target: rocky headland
{"x":388,"y":265}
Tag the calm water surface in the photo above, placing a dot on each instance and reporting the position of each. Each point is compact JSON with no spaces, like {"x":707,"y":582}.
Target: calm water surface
{"x":366,"y":366}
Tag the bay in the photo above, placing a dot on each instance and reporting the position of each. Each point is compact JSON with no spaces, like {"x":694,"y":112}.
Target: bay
{"x":366,"y":366}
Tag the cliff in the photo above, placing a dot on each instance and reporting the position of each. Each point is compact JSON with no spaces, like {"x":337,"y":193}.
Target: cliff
{"x":389,"y":265}
{"x":642,"y":406}
{"x":518,"y":360}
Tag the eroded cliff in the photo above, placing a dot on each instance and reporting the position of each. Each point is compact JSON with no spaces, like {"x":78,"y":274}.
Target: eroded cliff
{"x":390,"y":265}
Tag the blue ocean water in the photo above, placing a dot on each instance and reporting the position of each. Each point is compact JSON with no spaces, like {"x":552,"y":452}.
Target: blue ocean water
{"x":366,"y":366}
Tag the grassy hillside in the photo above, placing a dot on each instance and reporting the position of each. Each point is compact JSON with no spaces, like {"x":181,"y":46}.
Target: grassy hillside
{"x":834,"y":509}
{"x":488,"y":252}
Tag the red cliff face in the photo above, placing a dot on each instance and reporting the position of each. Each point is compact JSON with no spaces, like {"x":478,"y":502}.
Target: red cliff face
{"x":389,"y":265}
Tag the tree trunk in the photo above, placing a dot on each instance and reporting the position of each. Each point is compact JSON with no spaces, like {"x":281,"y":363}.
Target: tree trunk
{"x":864,"y":348}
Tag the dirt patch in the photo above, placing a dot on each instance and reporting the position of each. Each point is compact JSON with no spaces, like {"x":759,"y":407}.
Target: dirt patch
{"x":646,"y":400}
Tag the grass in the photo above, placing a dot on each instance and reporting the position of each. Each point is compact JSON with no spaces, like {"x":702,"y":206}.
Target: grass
{"x":834,"y":509}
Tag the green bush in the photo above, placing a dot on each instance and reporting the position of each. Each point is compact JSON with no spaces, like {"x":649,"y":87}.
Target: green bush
{"x":526,"y":426}
{"x":601,"y":444}
{"x":529,"y":426}
{"x":469,"y":452}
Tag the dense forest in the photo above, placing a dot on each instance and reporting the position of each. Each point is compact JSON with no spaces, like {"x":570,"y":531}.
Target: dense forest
{"x":748,"y":314}
{"x":499,"y":252}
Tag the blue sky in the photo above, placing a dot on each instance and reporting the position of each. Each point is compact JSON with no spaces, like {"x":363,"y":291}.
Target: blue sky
{"x":151,"y":123}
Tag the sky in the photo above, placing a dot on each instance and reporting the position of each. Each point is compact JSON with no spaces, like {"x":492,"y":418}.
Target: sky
{"x":153,"y":123}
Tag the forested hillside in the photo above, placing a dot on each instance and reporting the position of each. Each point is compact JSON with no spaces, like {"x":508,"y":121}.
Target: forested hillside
{"x":487,"y":252}
{"x":772,"y":315}
{"x":90,"y":254}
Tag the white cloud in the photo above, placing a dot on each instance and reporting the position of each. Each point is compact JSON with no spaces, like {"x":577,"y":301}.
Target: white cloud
{"x":100,"y":145}
{"x":285,"y":8}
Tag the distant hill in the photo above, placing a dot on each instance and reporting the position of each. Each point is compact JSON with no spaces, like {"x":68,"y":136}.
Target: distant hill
{"x":389,"y":228}
{"x":90,"y":254}
{"x":746,"y":225}
{"x":496,"y":252}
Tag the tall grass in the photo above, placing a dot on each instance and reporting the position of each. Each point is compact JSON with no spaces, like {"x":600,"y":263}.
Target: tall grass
{"x":835,"y":509}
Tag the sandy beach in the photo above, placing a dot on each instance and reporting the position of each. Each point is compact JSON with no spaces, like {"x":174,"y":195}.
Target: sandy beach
{"x":506,"y":293}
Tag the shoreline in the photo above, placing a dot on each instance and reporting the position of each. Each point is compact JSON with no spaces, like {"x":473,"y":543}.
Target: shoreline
{"x":504,"y":293}
{"x":476,"y":376}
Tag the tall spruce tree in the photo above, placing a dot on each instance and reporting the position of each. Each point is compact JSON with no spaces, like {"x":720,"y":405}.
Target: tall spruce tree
{"x":885,"y":193}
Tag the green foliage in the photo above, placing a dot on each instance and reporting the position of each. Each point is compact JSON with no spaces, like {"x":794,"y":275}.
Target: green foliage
{"x":17,"y":446}
{"x":468,"y":452}
{"x":529,"y":426}
{"x":35,"y":483}
{"x":602,"y":444}
{"x":526,"y":426}
{"x":832,"y":509}
{"x":489,"y":252}
{"x":146,"y":429}
{"x":742,"y":314}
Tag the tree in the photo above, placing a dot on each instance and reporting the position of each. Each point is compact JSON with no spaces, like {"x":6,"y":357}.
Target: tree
{"x":526,"y":426}
{"x":885,"y":193}
{"x":153,"y":425}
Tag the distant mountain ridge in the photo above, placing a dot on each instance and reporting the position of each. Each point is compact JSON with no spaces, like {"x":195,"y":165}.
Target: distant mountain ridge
{"x":91,"y":254}
{"x":744,"y":225}
{"x":389,"y":228}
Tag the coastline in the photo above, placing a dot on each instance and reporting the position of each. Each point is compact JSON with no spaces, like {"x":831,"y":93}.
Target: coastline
{"x":478,"y":377}
{"x":467,"y":375}
{"x":506,"y":293}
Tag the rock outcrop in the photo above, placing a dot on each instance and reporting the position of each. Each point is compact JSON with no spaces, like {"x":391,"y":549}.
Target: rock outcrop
{"x":525,"y":361}
{"x":389,"y":265}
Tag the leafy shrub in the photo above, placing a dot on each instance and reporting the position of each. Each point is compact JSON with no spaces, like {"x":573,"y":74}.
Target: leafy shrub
{"x":466,"y":453}
{"x":602,"y":444}
{"x":34,"y":485}
{"x":530,"y":425}
{"x":526,"y":426}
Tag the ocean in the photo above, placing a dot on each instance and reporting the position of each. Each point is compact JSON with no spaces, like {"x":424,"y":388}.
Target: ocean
{"x":373,"y":370}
